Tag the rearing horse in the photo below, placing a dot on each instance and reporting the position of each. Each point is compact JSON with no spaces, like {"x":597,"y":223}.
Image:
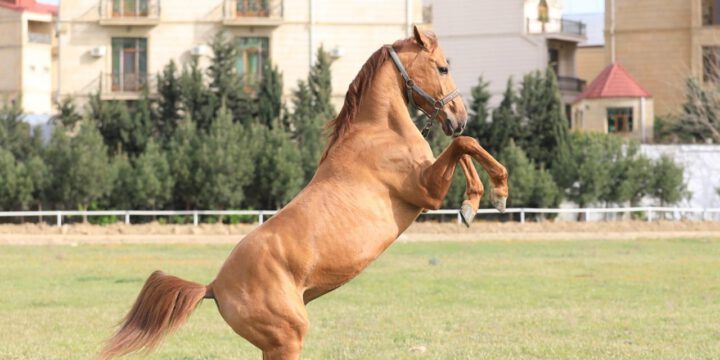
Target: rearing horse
{"x":376,"y":176}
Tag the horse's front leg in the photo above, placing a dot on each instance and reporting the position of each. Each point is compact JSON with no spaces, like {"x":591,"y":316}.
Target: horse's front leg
{"x":473,"y":190}
{"x":497,"y":172}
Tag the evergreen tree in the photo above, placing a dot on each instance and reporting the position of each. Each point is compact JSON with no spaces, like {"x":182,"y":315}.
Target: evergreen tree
{"x":543,"y":112}
{"x":320,"y":85}
{"x":278,"y":174}
{"x":308,"y":130}
{"x":668,"y":185}
{"x":225,"y":82}
{"x":15,"y":134}
{"x":120,"y":197}
{"x":152,"y":185}
{"x":182,"y":159}
{"x":546,"y":193}
{"x":80,"y":167}
{"x":269,"y":96}
{"x":506,"y":126}
{"x":225,"y":164}
{"x":16,"y":186}
{"x":700,"y":117}
{"x":169,"y":101}
{"x":122,"y":130}
{"x":196,"y":100}
{"x":585,"y":172}
{"x":478,"y":125}
{"x":68,"y":115}
{"x":521,"y":183}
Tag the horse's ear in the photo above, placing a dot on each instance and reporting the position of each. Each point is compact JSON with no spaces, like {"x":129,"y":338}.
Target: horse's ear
{"x":427,"y":40}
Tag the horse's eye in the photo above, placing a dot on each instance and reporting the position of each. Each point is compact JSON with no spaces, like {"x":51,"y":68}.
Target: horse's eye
{"x":443,"y":70}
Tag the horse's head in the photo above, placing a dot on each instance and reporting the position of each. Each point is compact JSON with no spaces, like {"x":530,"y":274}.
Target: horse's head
{"x":429,"y":82}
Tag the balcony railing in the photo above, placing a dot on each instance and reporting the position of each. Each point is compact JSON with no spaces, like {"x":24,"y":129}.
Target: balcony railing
{"x":571,"y":84}
{"x":253,"y":12}
{"x":39,"y":38}
{"x":560,"y":26}
{"x":123,"y":12}
{"x":122,"y":85}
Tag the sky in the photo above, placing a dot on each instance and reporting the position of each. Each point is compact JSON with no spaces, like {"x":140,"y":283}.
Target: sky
{"x":583,"y":6}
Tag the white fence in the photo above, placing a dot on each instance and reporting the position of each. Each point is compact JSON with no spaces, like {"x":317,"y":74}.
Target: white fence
{"x":649,"y":213}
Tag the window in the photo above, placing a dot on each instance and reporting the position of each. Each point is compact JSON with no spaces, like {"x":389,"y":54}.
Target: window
{"x":130,"y":8}
{"x":554,"y":60}
{"x":620,"y":120}
{"x":129,"y":64}
{"x":252,"y":56}
{"x":711,"y":64}
{"x":710,"y":12}
{"x":253,"y":8}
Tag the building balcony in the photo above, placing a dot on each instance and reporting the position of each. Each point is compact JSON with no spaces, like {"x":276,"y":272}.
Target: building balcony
{"x":121,"y":86}
{"x":268,"y":13}
{"x":559,"y":29}
{"x":568,"y":84}
{"x":129,"y":13}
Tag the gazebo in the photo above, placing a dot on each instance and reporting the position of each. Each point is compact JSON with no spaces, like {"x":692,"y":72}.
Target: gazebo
{"x":615,"y":103}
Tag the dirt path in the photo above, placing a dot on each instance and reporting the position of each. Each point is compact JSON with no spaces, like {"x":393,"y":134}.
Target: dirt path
{"x":31,"y":234}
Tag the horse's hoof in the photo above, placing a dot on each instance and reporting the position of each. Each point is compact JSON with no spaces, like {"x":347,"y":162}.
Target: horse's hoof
{"x":467,"y":214}
{"x":499,"y":202}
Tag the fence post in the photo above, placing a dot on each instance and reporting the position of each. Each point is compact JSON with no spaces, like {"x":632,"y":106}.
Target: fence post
{"x":704,"y":215}
{"x":459,"y":218}
{"x":195,"y":218}
{"x":649,"y":214}
{"x":587,"y":215}
{"x":127,"y":218}
{"x":58,"y":219}
{"x":522,"y":215}
{"x":261,"y":217}
{"x":676,"y":214}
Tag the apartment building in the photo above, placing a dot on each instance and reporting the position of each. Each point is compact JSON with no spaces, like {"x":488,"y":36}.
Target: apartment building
{"x":118,"y":46}
{"x":500,"y":39}
{"x":27,"y":54}
{"x":663,"y":42}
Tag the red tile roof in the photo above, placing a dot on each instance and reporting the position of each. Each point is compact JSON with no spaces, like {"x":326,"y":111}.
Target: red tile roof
{"x":30,"y":6}
{"x":614,"y":81}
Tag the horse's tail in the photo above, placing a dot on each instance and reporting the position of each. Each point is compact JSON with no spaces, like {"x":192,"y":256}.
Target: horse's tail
{"x":164,"y":304}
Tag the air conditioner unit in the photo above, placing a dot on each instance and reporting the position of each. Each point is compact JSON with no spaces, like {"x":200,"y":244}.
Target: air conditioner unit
{"x":200,"y":50}
{"x":337,"y":52}
{"x":98,"y":52}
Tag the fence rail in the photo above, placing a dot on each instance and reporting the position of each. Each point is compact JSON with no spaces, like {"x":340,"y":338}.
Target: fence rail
{"x":648,"y":212}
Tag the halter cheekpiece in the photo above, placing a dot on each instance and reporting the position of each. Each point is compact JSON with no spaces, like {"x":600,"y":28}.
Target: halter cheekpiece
{"x":411,"y":86}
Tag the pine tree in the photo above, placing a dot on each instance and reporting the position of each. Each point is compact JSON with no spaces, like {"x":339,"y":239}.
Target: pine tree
{"x":668,"y":185}
{"x":308,"y":133}
{"x":68,"y":115}
{"x":505,"y":126}
{"x":522,"y":182}
{"x":542,"y":110}
{"x":269,"y":96}
{"x":585,"y":171}
{"x":196,"y":100}
{"x":226,"y":84}
{"x":700,"y":118}
{"x":320,"y":85}
{"x":225,"y":164}
{"x":81,"y":170}
{"x":16,"y":186}
{"x":15,"y":134}
{"x":278,"y":174}
{"x":169,"y":101}
{"x":153,"y":182}
{"x":182,"y":152}
{"x":478,"y":125}
{"x":120,"y":197}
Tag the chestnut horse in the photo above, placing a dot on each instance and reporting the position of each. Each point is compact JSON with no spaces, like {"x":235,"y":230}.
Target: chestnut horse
{"x":376,"y":176}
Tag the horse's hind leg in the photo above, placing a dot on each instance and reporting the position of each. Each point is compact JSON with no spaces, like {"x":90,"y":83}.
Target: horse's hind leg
{"x":473,"y":190}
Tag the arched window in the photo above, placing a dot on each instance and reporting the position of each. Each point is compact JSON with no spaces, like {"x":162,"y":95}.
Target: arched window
{"x":543,"y":11}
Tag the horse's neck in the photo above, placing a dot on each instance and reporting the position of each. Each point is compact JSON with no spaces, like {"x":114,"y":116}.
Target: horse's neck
{"x":384,"y":107}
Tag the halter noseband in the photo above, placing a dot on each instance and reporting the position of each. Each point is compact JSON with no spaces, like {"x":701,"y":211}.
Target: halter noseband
{"x":411,"y":86}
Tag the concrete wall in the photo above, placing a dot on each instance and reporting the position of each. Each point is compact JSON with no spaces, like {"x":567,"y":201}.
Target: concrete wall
{"x":358,"y":29}
{"x":591,"y":115}
{"x":10,"y":53}
{"x":590,"y":62}
{"x":702,"y":170}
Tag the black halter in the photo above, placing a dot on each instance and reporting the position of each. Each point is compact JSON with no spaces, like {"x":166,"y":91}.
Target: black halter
{"x":411,"y":86}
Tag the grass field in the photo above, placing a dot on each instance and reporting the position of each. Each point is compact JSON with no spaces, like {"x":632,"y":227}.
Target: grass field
{"x":483,"y":300}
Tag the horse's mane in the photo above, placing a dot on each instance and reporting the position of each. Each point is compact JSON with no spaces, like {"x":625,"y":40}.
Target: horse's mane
{"x":336,"y":128}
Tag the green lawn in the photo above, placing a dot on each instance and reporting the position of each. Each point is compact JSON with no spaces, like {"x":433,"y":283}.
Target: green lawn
{"x":484,"y":300}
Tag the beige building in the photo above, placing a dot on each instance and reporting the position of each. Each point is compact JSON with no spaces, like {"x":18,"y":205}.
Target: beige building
{"x":663,"y":42}
{"x":118,"y":46}
{"x":500,"y":39}
{"x":615,"y":103}
{"x":28,"y":54}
